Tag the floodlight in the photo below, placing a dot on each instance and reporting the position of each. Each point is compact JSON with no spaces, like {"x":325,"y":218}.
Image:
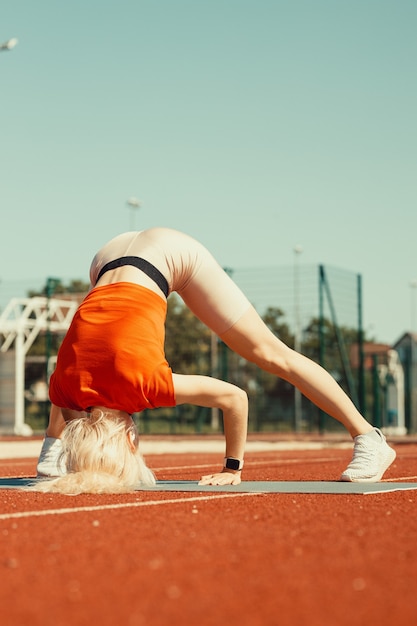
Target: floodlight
{"x":9,"y":44}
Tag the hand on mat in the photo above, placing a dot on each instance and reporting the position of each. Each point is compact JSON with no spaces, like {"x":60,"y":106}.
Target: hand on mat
{"x":222,"y":478}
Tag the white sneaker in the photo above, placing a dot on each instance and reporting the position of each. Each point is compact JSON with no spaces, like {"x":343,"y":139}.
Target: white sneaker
{"x":51,"y":462}
{"x":371,"y":458}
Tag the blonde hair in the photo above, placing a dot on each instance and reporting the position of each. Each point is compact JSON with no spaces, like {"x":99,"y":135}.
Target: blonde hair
{"x":99,"y":458}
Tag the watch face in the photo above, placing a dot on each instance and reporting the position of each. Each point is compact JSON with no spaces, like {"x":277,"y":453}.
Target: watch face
{"x":233,"y":464}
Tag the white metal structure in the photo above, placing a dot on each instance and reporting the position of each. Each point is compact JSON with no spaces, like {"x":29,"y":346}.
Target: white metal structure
{"x":392,"y":381}
{"x":20,"y":323}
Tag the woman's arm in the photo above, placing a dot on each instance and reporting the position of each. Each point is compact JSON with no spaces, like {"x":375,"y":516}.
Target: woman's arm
{"x":58,"y":419}
{"x":233,"y":402}
{"x":56,"y":422}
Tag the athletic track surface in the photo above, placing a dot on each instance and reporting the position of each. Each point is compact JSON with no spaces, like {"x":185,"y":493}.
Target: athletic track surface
{"x":208,"y":559}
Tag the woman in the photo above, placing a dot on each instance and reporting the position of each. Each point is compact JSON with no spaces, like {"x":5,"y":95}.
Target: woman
{"x":111,"y":364}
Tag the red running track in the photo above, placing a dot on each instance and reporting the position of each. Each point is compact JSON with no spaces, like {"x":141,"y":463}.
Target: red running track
{"x":158,"y":559}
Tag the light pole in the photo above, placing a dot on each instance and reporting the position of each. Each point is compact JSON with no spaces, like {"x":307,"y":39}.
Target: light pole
{"x":413,"y":291}
{"x":297,"y":333}
{"x":9,"y":44}
{"x":134,"y":205}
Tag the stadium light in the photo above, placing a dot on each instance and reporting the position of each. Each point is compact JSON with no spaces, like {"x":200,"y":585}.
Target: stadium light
{"x":134,"y":204}
{"x":9,"y":44}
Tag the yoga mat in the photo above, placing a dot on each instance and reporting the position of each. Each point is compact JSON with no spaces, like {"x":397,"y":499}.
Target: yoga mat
{"x":273,"y":486}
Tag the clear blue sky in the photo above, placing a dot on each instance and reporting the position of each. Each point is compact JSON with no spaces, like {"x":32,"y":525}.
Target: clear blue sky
{"x":253,"y":125}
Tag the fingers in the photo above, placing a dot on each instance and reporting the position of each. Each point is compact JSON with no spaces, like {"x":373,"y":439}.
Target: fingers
{"x":223,"y":478}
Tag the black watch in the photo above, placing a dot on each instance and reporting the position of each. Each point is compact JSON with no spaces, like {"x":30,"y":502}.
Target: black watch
{"x":233,"y":464}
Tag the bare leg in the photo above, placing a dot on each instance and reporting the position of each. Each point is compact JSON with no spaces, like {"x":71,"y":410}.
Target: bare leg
{"x":253,"y":340}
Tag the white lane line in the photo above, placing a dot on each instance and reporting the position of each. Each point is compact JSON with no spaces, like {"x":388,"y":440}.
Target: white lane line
{"x":126,"y":505}
{"x":251,"y":463}
{"x":19,"y":459}
{"x":31,"y":449}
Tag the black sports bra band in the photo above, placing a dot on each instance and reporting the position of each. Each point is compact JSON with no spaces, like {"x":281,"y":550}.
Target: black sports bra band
{"x":146,"y":267}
